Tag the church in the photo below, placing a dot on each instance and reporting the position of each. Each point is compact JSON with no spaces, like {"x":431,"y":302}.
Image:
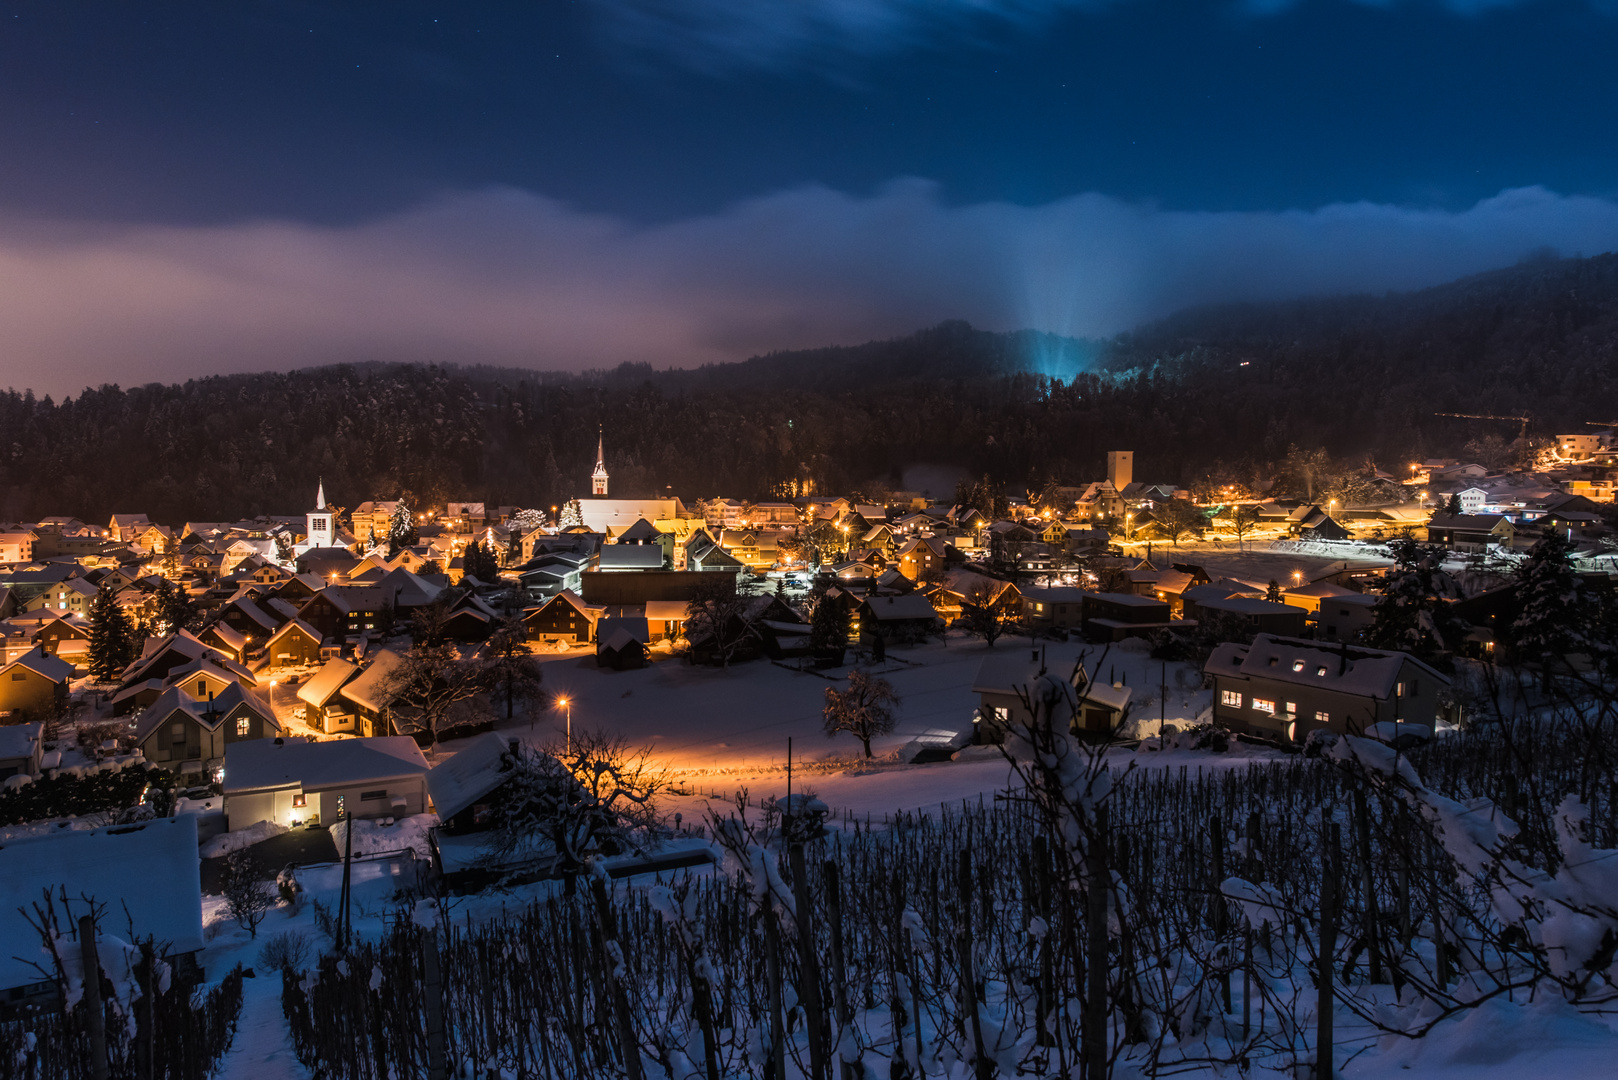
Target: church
{"x":603,"y":514}
{"x":320,"y":526}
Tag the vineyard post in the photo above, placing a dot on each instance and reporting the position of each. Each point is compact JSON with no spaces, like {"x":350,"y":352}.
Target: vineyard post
{"x":1095,"y":1011}
{"x":1216,"y":833}
{"x":1373,"y":928}
{"x":808,"y":964}
{"x":969,"y":990}
{"x":1331,"y":869}
{"x":96,"y":1018}
{"x":1042,"y":900}
{"x":839,"y":964}
{"x":433,"y":991}
{"x":772,"y":975}
{"x":146,"y":1016}
{"x":608,"y":924}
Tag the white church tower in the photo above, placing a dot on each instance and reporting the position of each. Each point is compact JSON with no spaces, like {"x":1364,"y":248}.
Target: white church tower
{"x":598,"y":479}
{"x":319,"y":530}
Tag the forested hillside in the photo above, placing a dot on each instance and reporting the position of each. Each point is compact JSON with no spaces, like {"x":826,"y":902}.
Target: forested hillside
{"x":1357,"y":376}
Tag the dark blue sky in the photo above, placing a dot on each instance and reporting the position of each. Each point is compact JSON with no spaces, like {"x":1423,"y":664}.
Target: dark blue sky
{"x":655,"y":121}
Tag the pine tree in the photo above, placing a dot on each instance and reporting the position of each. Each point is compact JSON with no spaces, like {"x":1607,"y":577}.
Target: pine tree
{"x":401,"y":529}
{"x":1559,"y":614}
{"x":572,"y":514}
{"x":1273,"y":593}
{"x":1414,"y":614}
{"x":112,"y":638}
{"x":174,"y":608}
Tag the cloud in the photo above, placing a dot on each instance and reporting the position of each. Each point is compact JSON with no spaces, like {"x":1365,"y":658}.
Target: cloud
{"x":724,"y":36}
{"x":508,"y":277}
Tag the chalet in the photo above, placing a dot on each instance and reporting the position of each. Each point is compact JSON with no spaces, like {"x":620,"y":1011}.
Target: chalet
{"x":220,"y":636}
{"x":1316,"y":524}
{"x":21,"y":750}
{"x":325,"y":709}
{"x":298,"y":588}
{"x":294,"y":645}
{"x":125,"y":527}
{"x":924,"y":556}
{"x":622,"y":644}
{"x":34,"y":686}
{"x":1006,"y":684}
{"x":185,"y":734}
{"x":244,"y":615}
{"x":1057,"y":606}
{"x":1115,"y":616}
{"x":167,"y":656}
{"x":149,"y":873}
{"x":341,"y":612}
{"x":470,"y":618}
{"x":1282,"y":688}
{"x":368,"y":693}
{"x":291,"y":781}
{"x":71,"y":597}
{"x":1471,"y":532}
{"x":644,"y":534}
{"x":566,"y":617}
{"x":703,"y":554}
{"x":906,"y":619}
{"x":1259,"y":616}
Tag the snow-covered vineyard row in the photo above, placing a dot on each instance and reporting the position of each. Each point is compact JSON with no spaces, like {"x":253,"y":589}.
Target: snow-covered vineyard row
{"x":1098,"y":922}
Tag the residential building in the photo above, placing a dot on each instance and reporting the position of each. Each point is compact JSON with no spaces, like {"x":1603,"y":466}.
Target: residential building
{"x":21,"y":750}
{"x":1471,"y":532}
{"x":188,"y":735}
{"x":33,"y":686}
{"x":292,"y":782}
{"x":1115,"y":616}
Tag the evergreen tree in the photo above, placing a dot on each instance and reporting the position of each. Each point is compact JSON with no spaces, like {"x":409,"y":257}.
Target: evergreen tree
{"x":1560,"y":614}
{"x":479,"y":561}
{"x":401,"y":529}
{"x":828,"y":627}
{"x":112,"y":638}
{"x":1273,"y":593}
{"x":571,"y":514}
{"x":1414,"y":614}
{"x":1452,"y":506}
{"x":174,"y":608}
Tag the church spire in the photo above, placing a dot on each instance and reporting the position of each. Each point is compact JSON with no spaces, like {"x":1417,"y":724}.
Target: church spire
{"x":320,"y":495}
{"x":598,"y":479}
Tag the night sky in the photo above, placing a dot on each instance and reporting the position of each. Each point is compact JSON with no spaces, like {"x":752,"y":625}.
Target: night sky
{"x":188,"y":188}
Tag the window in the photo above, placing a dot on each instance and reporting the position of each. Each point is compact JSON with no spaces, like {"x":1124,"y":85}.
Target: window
{"x":1292,"y":708}
{"x":1297,"y":665}
{"x":1399,"y":691}
{"x":373,"y":796}
{"x":202,"y":687}
{"x":1261,"y":705}
{"x":1233,"y":698}
{"x":298,"y":800}
{"x":177,"y":730}
{"x":18,"y":676}
{"x":1322,"y":717}
{"x":1321,"y":671}
{"x":244,"y":727}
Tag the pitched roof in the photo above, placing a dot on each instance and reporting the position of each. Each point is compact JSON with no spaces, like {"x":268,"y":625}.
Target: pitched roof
{"x":270,"y":764}
{"x":42,"y":663}
{"x":895,"y":608}
{"x":295,"y":624}
{"x":326,"y":682}
{"x":476,"y":769}
{"x":1355,"y":670}
{"x":19,"y":740}
{"x":365,"y":689}
{"x":210,"y":714}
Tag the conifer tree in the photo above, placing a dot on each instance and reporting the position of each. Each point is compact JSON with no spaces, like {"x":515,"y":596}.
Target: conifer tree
{"x":1559,"y":614}
{"x":112,"y":638}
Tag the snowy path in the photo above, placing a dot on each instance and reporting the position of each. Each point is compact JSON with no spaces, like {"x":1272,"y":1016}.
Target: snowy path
{"x":263,"y":1046}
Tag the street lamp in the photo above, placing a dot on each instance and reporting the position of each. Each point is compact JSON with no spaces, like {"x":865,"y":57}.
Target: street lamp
{"x":567,"y":704}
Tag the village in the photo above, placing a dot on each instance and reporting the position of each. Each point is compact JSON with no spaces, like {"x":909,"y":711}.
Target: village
{"x":289,"y":698}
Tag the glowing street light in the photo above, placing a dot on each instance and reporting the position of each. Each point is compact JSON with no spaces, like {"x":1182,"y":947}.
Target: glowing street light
{"x":564,"y":703}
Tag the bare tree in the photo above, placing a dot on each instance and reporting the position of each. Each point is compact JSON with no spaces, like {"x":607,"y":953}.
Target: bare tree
{"x":1179,"y":517}
{"x":713,"y":618}
{"x":248,"y":897}
{"x":864,"y":710}
{"x":1243,"y":519}
{"x":981,"y":613}
{"x":432,"y":688}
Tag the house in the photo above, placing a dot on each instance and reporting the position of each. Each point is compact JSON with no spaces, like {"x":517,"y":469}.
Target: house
{"x":34,"y":686}
{"x":146,"y":677}
{"x":21,"y":750}
{"x":1310,"y":597}
{"x":341,"y":612}
{"x":17,"y":545}
{"x":565,"y":617}
{"x":924,"y":556}
{"x":220,"y":636}
{"x":71,"y":597}
{"x":151,"y":871}
{"x":1282,"y":688}
{"x":244,"y":615}
{"x":906,"y":619}
{"x":463,"y":787}
{"x":371,"y":521}
{"x":177,"y":730}
{"x":470,"y":618}
{"x":294,"y":645}
{"x":1471,"y":532}
{"x":368,"y":693}
{"x":621,"y":558}
{"x":125,"y":527}
{"x":1258,"y":615}
{"x":325,"y":708}
{"x":666,"y":618}
{"x":1115,"y":616}
{"x":1345,"y":618}
{"x":702,"y":553}
{"x":1006,"y":684}
{"x":1056,"y":606}
{"x":622,"y":644}
{"x":291,"y":781}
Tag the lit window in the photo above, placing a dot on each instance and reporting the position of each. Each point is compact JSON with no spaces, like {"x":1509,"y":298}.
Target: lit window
{"x":1399,"y":690}
{"x":243,"y":727}
{"x":1322,"y":717}
{"x":1321,"y":671}
{"x":1292,"y":708}
{"x":1261,"y":705}
{"x":1297,"y":665}
{"x":297,"y":800}
{"x":1233,"y":698}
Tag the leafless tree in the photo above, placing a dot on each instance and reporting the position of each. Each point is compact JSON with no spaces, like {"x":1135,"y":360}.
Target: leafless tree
{"x":713,"y":618}
{"x":433,"y":688}
{"x":510,"y":666}
{"x":248,"y":897}
{"x":864,"y":710}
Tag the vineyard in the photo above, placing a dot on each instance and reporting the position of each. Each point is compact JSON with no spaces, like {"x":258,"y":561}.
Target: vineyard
{"x":1099,"y":921}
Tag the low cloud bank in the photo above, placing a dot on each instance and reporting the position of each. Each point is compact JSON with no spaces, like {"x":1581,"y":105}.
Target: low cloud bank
{"x":509,"y":277}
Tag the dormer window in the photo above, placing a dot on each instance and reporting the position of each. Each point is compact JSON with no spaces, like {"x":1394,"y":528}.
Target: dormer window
{"x":1297,"y":665}
{"x":1321,"y":671}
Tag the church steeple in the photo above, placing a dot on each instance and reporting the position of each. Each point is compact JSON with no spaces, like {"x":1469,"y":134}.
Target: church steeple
{"x":319,"y":531}
{"x":320,"y":495}
{"x":598,"y":479}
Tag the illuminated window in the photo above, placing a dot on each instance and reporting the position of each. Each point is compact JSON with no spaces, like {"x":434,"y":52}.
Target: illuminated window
{"x":1261,"y":705}
{"x":1321,"y":671}
{"x":1233,"y":698}
{"x":244,"y":727}
{"x":297,"y":800}
{"x":1322,"y":717}
{"x":1292,"y":708}
{"x":1399,"y":691}
{"x":1297,"y":665}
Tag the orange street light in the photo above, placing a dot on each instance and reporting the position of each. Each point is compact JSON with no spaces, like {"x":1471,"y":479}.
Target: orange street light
{"x":565,"y":703}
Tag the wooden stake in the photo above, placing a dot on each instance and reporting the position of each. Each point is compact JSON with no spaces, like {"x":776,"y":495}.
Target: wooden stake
{"x":1095,"y":1011}
{"x":1331,"y":870}
{"x":433,"y":990}
{"x":95,"y":1017}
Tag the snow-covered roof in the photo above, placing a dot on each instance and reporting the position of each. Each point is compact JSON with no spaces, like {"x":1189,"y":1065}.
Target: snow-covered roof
{"x":472,"y":773}
{"x":152,"y":869}
{"x":908,"y":606}
{"x":326,"y":682}
{"x":1344,"y":669}
{"x":271,"y":764}
{"x":666,"y":610}
{"x":1248,"y":605}
{"x":43,"y":663}
{"x":298,"y":624}
{"x":366,"y":688}
{"x":232,"y":700}
{"x":19,"y":740}
{"x":232,"y":638}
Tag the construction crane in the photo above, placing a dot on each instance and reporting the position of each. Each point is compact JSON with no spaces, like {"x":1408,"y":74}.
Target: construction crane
{"x":1522,"y":433}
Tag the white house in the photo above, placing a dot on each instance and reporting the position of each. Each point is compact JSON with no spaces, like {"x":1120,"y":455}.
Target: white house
{"x":293,"y":782}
